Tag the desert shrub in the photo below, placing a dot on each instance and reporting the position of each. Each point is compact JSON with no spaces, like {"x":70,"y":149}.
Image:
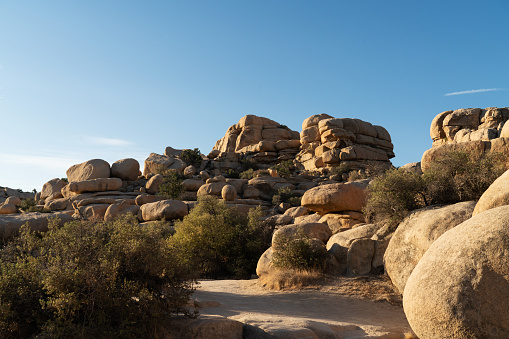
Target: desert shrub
{"x":341,"y":169}
{"x":192,"y":157}
{"x":231,"y":173}
{"x":247,"y":174}
{"x":285,"y":194}
{"x":216,"y":241}
{"x":454,"y":177}
{"x":26,"y":204}
{"x":393,"y":194}
{"x":458,"y":176}
{"x":261,"y":173}
{"x":285,"y":168}
{"x":172,"y":187}
{"x":298,"y":252}
{"x":109,"y":279}
{"x":248,"y":164}
{"x":285,"y":279}
{"x":64,"y":179}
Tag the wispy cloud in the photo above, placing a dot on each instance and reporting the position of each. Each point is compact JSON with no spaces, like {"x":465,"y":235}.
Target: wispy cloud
{"x":473,"y":91}
{"x":38,"y":162}
{"x":107,"y":141}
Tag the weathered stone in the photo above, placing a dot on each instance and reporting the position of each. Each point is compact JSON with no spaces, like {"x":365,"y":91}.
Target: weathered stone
{"x":204,"y":327}
{"x":228,"y":193}
{"x":125,"y":169}
{"x":192,"y":184}
{"x":460,"y":287}
{"x":51,"y":187}
{"x":313,"y":230}
{"x":116,"y":210}
{"x":342,"y":221}
{"x":190,"y":170}
{"x":475,"y":148}
{"x":264,"y":265}
{"x":213,"y":188}
{"x":298,"y":211}
{"x":8,"y":209}
{"x":350,"y":196}
{"x":496,"y":195}
{"x":165,"y":209}
{"x":359,"y":256}
{"x":93,"y":212}
{"x":172,"y":152}
{"x":91,"y":169}
{"x":152,"y":186}
{"x":13,"y":201}
{"x":59,"y":204}
{"x":95,"y":185}
{"x":156,"y":163}
{"x":415,"y":235}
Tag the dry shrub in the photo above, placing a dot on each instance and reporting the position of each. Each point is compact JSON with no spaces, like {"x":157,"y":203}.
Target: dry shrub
{"x":286,"y":279}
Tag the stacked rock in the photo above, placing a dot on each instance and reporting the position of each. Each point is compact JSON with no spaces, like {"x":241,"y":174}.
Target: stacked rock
{"x":254,"y":138}
{"x":472,"y":130}
{"x":328,"y":142}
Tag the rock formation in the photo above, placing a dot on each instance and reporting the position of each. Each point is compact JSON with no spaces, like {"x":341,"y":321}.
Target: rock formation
{"x":255,"y":139}
{"x":473,"y":130}
{"x":328,"y":142}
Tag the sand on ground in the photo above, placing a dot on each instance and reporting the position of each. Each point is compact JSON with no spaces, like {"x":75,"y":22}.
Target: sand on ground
{"x":354,"y":308}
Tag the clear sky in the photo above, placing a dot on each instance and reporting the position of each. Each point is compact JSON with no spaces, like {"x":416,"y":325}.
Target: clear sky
{"x":115,"y":79}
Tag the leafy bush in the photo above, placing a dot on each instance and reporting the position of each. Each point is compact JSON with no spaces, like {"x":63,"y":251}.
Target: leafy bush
{"x":83,"y":280}
{"x":248,"y":164}
{"x":393,"y":194}
{"x":192,"y":157}
{"x":285,"y":194}
{"x":298,"y":252}
{"x":29,"y":205}
{"x":172,"y":187}
{"x":285,"y":168}
{"x":231,"y":173}
{"x":454,"y":177}
{"x":216,"y":241}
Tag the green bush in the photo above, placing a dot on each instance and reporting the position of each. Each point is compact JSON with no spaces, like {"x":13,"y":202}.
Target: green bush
{"x":231,"y":173}
{"x":454,"y":177}
{"x":192,"y":157}
{"x":393,"y":194}
{"x":285,"y":168}
{"x":285,"y":194}
{"x":110,"y":280}
{"x":216,"y":241}
{"x":172,"y":187}
{"x":247,"y":174}
{"x":298,"y":252}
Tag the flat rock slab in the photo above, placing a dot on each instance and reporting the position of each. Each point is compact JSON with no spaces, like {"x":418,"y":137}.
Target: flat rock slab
{"x":10,"y":224}
{"x":297,"y":314}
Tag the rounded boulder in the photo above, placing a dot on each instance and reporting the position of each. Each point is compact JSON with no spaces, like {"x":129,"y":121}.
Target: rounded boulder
{"x":125,"y":169}
{"x":460,"y":287}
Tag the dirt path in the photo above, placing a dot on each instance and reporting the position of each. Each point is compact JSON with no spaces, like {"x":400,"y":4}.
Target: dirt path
{"x":309,"y":313}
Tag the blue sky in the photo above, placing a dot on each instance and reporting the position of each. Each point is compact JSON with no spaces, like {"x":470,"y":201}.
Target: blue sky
{"x":116,"y":79}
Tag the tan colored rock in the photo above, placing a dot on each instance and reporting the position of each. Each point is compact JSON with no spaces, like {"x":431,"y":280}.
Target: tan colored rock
{"x":152,"y":186}
{"x":190,"y":170}
{"x":213,"y":188}
{"x":192,"y":184}
{"x":475,"y":148}
{"x":228,"y":193}
{"x":415,"y":235}
{"x":165,"y":209}
{"x":314,"y":120}
{"x":95,"y":185}
{"x":91,"y":169}
{"x":116,"y":210}
{"x":94,"y":212}
{"x":156,"y":163}
{"x":342,"y":221}
{"x":264,"y":265}
{"x":147,"y":198}
{"x":350,"y":196}
{"x":125,"y":169}
{"x":359,"y":256}
{"x":313,"y":230}
{"x":172,"y":152}
{"x":13,"y":201}
{"x":59,"y":204}
{"x":459,"y":287}
{"x":204,"y":327}
{"x":51,"y":187}
{"x":496,"y":195}
{"x":8,"y":209}
{"x":298,"y":211}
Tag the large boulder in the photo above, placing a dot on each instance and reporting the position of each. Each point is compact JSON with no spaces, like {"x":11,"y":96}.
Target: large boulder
{"x":164,"y":209}
{"x":8,"y":209}
{"x":496,"y":195}
{"x":95,"y":185}
{"x":156,"y":163}
{"x":51,"y":187}
{"x":91,"y":169}
{"x":460,"y":287}
{"x":116,"y":210}
{"x":350,"y":196}
{"x":125,"y":169}
{"x":415,"y":235}
{"x":10,"y":224}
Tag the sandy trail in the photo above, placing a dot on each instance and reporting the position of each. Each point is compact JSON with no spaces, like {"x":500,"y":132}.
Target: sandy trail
{"x":324,"y":311}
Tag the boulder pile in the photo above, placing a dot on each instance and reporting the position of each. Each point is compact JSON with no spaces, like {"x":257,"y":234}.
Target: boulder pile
{"x":472,"y":130}
{"x":255,"y":139}
{"x":329,"y":142}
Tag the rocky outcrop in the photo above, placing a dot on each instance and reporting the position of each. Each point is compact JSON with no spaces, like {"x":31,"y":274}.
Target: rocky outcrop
{"x":256,"y":139}
{"x":156,"y":163}
{"x":91,"y":169}
{"x":10,"y":224}
{"x":472,"y":130}
{"x":164,"y":209}
{"x":126,"y":169}
{"x":328,"y":142}
{"x":415,"y":235}
{"x":350,"y":196}
{"x":460,"y":287}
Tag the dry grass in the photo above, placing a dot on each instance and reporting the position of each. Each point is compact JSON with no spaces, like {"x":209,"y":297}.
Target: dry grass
{"x":285,"y":279}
